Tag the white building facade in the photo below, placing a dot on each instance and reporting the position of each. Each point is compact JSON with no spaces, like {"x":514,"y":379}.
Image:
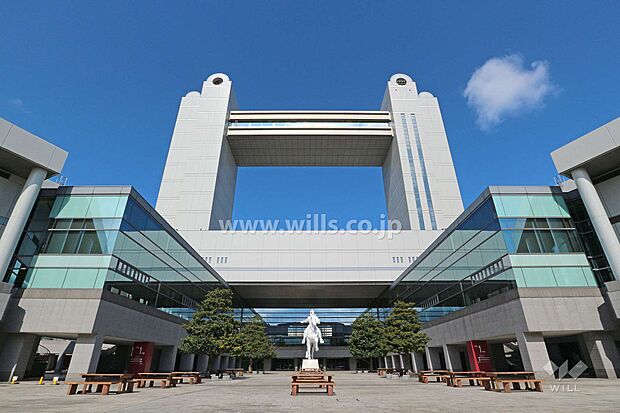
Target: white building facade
{"x":406,"y":138}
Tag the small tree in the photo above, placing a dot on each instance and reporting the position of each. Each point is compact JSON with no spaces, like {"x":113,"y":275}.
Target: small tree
{"x":367,"y":339}
{"x":254,"y":344}
{"x":212,"y":329}
{"x":402,"y":331}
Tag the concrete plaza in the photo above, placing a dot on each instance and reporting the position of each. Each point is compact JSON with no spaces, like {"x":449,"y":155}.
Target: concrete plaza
{"x":353,"y":392}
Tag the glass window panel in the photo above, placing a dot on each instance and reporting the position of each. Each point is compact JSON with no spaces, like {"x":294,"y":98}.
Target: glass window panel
{"x":88,"y":240}
{"x":539,"y":277}
{"x":569,"y":277}
{"x":559,"y":199}
{"x":521,"y":241}
{"x":547,"y":243}
{"x":62,"y":224}
{"x":77,"y":224}
{"x":514,"y":206}
{"x":512,"y":223}
{"x":557,"y":223}
{"x":548,"y":206}
{"x":89,"y":224}
{"x":575,"y":241}
{"x":71,"y":243}
{"x":562,"y":241}
{"x":80,"y":278}
{"x":48,"y":278}
{"x":105,"y":206}
{"x":55,"y":242}
{"x":74,"y":207}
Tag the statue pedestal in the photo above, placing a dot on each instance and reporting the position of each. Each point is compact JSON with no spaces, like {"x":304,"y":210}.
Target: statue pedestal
{"x":310,"y":364}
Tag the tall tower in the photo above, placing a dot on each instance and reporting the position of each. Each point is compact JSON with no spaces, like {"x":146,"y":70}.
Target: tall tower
{"x":421,"y":188}
{"x":198,"y":185}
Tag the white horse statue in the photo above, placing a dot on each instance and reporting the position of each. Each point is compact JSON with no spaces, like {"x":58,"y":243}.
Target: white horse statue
{"x":312,"y":335}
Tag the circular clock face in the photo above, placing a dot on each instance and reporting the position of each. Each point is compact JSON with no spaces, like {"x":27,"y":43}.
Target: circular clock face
{"x":218,"y":81}
{"x":401,"y":81}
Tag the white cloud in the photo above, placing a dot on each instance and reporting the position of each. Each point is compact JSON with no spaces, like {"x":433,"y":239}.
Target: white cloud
{"x":503,"y":87}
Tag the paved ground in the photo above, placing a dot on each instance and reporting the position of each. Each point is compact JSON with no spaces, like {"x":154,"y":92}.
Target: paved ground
{"x":354,"y":392}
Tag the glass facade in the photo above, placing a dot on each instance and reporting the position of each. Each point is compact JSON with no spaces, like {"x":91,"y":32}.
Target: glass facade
{"x":592,"y":246}
{"x":508,"y":241}
{"x":112,"y":241}
{"x":306,"y":124}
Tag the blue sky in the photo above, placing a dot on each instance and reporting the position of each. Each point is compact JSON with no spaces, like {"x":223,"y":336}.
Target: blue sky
{"x":103,"y":80}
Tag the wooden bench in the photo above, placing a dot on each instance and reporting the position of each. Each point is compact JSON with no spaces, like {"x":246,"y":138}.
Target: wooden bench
{"x":165,"y":383}
{"x":102,"y":387}
{"x":192,"y":376}
{"x":506,"y":384}
{"x":440,"y":378}
{"x":312,"y":382}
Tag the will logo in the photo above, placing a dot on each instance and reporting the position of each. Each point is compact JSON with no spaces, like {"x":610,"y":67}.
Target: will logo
{"x":563,"y":372}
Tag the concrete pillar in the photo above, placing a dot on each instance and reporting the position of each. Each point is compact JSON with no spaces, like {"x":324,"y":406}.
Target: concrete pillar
{"x":85,"y":355}
{"x":452,"y":357}
{"x":202,"y":362}
{"x":603,"y":354}
{"x":433,"y":359}
{"x":429,"y":359}
{"x":167,"y":359}
{"x":187,"y":362}
{"x":417,"y":359}
{"x":352,"y":363}
{"x":385,"y":360}
{"x":394,"y":364}
{"x":600,"y":221}
{"x":267,"y":365}
{"x":534,"y":354}
{"x":402,"y":362}
{"x":17,"y":350}
{"x":17,"y":221}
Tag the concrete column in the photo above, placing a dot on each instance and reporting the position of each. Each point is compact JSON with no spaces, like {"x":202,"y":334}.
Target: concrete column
{"x":17,"y":350}
{"x":267,"y":365}
{"x":603,"y":354}
{"x":429,"y":359}
{"x":202,"y":362}
{"x":352,"y":363}
{"x":453,"y":360}
{"x":432,"y":356}
{"x":167,"y":358}
{"x":85,"y":355}
{"x":534,"y":354}
{"x":417,"y":359}
{"x":600,"y":221}
{"x":402,"y":362}
{"x":187,"y":362}
{"x":394,"y":365}
{"x":385,"y":360}
{"x":17,"y":221}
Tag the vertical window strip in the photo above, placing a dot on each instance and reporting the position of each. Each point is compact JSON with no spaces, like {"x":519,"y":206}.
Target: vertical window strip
{"x":414,"y":178}
{"x":427,"y":188}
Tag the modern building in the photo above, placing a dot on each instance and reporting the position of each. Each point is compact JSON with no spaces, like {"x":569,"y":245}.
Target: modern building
{"x":98,"y":265}
{"x":96,"y":279}
{"x":212,"y":138}
{"x":508,"y":286}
